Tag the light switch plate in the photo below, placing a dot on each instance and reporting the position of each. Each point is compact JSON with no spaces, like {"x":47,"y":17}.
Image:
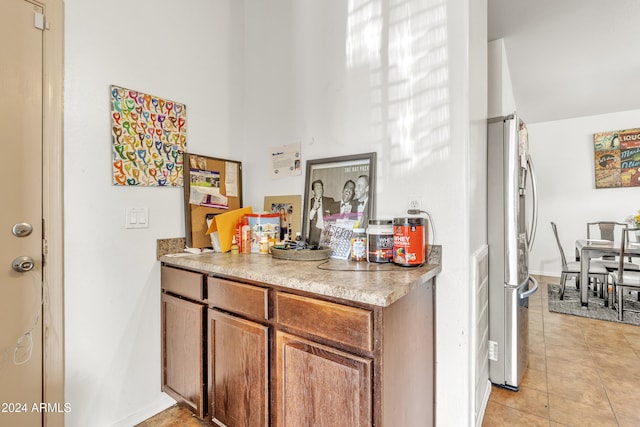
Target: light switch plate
{"x":137,"y":218}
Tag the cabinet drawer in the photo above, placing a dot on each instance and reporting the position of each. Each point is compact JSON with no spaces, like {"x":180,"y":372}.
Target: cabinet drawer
{"x":336,"y":322}
{"x":185,"y":283}
{"x":251,"y":301}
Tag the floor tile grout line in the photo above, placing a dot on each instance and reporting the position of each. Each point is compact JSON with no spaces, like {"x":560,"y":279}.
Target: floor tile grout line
{"x":546,"y":370}
{"x":547,"y":329}
{"x":602,"y":381}
{"x":585,"y":336}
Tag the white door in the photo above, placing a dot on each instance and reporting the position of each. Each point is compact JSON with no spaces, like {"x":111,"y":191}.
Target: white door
{"x":21,"y":290}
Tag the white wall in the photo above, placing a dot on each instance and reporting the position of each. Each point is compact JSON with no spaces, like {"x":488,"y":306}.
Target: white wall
{"x":478,"y":375}
{"x":184,"y":52}
{"x":408,"y":102}
{"x":501,"y":101}
{"x":564,"y":159}
{"x":255,"y":74}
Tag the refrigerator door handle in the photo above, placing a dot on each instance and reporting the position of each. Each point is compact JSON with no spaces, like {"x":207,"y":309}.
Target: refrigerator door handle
{"x":534,"y":219}
{"x":530,"y":291}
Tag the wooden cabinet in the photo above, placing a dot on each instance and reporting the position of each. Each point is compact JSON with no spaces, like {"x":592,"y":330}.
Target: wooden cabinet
{"x":275,"y":356}
{"x":239,"y":298}
{"x":339,"y":323}
{"x":238,"y":353}
{"x":238,"y":370}
{"x":187,"y":284}
{"x":183,"y":351}
{"x":321,"y":386}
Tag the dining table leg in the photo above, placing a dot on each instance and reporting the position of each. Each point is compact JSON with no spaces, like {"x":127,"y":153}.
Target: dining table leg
{"x":584,"y":277}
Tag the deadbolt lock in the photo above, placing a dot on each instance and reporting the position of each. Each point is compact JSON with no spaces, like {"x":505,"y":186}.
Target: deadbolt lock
{"x":22,"y":229}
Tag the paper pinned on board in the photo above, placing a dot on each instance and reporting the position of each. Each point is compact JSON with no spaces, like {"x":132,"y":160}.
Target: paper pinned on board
{"x":207,"y":196}
{"x":231,"y":179}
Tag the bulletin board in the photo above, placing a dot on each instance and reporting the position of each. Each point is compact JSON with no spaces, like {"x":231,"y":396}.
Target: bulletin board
{"x":211,"y":186}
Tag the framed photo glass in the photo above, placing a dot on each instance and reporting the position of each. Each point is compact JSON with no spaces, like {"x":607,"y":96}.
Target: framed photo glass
{"x":339,"y":197}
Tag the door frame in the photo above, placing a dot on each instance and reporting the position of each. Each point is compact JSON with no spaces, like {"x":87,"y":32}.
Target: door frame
{"x":52,"y":212}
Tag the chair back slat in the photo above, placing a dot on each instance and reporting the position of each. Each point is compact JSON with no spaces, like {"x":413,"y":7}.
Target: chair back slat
{"x":555,"y":233}
{"x":627,"y":236}
{"x":606,"y":230}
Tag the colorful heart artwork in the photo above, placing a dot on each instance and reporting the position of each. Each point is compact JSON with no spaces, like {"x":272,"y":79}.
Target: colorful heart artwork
{"x":146,"y":127}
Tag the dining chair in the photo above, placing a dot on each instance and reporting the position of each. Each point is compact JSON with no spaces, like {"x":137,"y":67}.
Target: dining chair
{"x":608,"y":230}
{"x":572,"y":269}
{"x":605,"y":230}
{"x":623,"y":279}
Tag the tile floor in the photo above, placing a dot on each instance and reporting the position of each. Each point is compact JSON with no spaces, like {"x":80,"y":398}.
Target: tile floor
{"x":175,"y":416}
{"x":581,"y":372}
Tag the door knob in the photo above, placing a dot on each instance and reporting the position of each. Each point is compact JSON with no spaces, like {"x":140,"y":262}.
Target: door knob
{"x":22,"y":264}
{"x":22,"y":229}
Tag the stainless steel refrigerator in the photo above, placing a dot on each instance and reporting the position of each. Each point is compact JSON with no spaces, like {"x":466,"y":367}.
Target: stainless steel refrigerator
{"x":511,"y":228}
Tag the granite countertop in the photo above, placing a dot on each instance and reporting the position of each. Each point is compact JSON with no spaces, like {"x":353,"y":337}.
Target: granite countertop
{"x":375,"y":284}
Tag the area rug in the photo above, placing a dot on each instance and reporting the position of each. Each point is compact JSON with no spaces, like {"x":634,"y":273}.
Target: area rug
{"x":596,"y":309}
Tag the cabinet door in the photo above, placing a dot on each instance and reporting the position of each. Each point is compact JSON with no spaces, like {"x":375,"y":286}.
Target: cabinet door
{"x":238,"y":371}
{"x":183,"y":376}
{"x":321,"y":386}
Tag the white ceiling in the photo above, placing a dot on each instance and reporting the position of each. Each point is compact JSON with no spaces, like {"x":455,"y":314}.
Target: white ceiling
{"x":570,"y":58}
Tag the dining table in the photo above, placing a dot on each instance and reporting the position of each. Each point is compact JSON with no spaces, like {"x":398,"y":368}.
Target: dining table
{"x":586,"y":249}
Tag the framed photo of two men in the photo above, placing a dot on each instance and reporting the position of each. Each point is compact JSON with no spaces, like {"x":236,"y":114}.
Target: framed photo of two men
{"x":339,"y":194}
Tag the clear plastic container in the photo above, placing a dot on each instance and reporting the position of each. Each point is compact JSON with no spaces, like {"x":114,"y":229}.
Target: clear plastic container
{"x":380,"y":241}
{"x":359,"y":245}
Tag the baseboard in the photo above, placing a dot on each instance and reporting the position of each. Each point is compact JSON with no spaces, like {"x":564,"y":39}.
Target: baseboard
{"x":483,"y":407}
{"x":545,"y":273}
{"x":148,"y":411}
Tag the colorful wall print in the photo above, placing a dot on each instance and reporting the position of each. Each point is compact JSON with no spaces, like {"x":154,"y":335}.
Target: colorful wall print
{"x":149,"y":136}
{"x":617,"y":158}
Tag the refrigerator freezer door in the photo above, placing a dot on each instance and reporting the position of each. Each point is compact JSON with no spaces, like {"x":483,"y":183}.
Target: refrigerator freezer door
{"x":509,"y":355}
{"x":517,"y":332}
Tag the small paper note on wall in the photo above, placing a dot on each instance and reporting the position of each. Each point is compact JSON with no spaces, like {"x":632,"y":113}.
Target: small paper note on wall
{"x":149,"y":137}
{"x":617,"y":158}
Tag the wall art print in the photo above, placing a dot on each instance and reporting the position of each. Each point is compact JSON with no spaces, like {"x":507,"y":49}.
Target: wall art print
{"x":149,"y":136}
{"x":617,"y":158}
{"x":339,"y":192}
